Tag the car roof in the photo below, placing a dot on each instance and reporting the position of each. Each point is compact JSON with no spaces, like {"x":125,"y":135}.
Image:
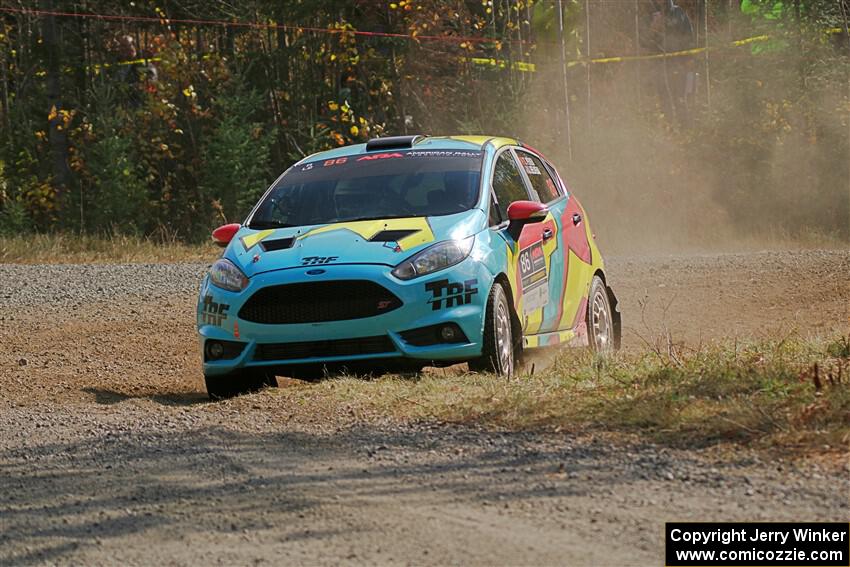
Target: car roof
{"x":425,"y":142}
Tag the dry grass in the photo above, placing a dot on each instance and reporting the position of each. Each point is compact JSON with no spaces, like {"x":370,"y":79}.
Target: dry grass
{"x":788,"y":394}
{"x":85,"y":249}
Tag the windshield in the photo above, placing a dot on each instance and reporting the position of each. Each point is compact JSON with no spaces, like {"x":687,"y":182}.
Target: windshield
{"x":394,"y":184}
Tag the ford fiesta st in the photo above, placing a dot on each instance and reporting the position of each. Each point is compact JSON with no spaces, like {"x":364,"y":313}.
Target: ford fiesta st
{"x":412,"y":250}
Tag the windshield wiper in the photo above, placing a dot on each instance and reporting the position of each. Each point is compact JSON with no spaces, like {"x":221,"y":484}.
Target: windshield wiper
{"x":269,"y":224}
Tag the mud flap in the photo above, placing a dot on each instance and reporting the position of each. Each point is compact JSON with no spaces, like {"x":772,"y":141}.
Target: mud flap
{"x":616,"y":317}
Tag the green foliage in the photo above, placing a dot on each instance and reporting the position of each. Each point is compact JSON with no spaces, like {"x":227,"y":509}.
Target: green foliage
{"x":119,"y":198}
{"x":839,"y":348}
{"x":112,"y":195}
{"x":237,"y":153}
{"x":14,"y":219}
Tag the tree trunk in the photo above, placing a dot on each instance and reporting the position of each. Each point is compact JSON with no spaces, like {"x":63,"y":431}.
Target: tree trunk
{"x":4,"y":93}
{"x":57,"y":136}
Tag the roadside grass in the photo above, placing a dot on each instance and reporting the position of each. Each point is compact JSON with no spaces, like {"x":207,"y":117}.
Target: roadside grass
{"x":790,"y":393}
{"x":66,"y":248}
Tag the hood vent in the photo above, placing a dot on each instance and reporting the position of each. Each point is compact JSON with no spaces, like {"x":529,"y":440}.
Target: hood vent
{"x":393,"y":235}
{"x":279,"y":244}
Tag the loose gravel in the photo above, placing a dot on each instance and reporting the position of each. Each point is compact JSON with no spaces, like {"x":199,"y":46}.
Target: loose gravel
{"x":111,"y":454}
{"x":63,"y":285}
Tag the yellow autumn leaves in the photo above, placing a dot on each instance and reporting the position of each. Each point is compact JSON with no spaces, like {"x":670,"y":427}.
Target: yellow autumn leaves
{"x":346,"y":114}
{"x":64,"y":116}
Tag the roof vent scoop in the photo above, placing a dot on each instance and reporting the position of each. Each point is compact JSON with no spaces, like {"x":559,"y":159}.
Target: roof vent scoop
{"x":392,"y":143}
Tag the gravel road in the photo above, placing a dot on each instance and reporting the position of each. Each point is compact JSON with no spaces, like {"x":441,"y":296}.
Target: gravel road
{"x":110,"y":453}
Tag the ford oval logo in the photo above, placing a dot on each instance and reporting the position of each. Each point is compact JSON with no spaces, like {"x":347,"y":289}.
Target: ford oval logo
{"x":315,"y":272}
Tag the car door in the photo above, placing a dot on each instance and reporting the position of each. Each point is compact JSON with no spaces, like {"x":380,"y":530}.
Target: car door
{"x":573,"y":270}
{"x":545,"y":189}
{"x":536,"y":253}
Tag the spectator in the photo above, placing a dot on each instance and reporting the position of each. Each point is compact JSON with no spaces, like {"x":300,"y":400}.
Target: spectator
{"x":132,"y":72}
{"x":669,"y":30}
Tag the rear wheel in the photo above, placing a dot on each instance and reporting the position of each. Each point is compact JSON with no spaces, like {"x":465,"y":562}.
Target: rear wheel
{"x":239,"y":382}
{"x":600,"y":323}
{"x":497,"y":352}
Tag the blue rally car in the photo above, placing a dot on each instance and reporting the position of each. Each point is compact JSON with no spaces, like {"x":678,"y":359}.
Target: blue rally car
{"x":403,"y":252}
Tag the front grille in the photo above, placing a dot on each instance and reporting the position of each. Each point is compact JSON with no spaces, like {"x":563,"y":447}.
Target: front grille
{"x":314,"y":302}
{"x":324,"y":349}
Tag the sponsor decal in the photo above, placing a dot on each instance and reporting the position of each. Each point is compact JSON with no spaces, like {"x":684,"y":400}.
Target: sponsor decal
{"x":529,"y":165}
{"x":213,"y":313}
{"x":368,"y":229}
{"x":373,"y":157}
{"x":354,"y":159}
{"x":318,"y":260}
{"x":445,"y":153}
{"x":535,"y":280}
{"x":254,"y":238}
{"x":449,"y":294}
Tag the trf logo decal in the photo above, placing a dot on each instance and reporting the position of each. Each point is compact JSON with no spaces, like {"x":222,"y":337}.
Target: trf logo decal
{"x":452,"y":293}
{"x":213,"y":313}
{"x":318,"y":260}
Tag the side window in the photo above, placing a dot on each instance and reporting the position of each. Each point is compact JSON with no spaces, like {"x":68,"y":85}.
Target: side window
{"x":493,"y":214}
{"x":541,"y":181}
{"x":507,"y":183}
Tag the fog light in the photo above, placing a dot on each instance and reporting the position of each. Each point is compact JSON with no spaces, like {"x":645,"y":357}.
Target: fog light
{"x":215,"y":350}
{"x":448,"y":333}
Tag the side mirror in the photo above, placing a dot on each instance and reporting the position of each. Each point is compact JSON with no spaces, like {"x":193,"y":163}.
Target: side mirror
{"x":521,"y":213}
{"x":224,"y":234}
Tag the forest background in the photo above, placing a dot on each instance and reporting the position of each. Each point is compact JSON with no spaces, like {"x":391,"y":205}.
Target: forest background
{"x":163,"y":119}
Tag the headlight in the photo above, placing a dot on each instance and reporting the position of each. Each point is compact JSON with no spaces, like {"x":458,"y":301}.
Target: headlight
{"x":437,"y":257}
{"x":226,"y":275}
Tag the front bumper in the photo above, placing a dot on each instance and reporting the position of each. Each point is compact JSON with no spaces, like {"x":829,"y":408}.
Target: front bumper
{"x":423,"y":305}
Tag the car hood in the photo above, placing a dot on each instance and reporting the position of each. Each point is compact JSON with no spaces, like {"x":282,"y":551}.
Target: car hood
{"x":387,"y":241}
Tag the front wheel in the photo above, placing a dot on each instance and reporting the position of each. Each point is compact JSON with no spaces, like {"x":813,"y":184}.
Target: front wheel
{"x":238,"y":382}
{"x":497,"y":352}
{"x":601,"y":331}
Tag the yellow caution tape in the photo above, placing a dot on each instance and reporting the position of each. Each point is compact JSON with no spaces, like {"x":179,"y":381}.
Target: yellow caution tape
{"x":683,"y":53}
{"x":515,"y":65}
{"x":531,"y":67}
{"x":749,"y":40}
{"x":502,"y":64}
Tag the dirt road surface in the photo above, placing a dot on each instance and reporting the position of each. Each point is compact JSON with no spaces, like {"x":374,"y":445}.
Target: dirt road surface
{"x":110,"y":453}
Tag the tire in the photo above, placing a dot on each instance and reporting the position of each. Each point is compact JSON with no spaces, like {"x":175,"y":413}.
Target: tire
{"x":238,"y":382}
{"x":601,"y":332}
{"x":497,"y":353}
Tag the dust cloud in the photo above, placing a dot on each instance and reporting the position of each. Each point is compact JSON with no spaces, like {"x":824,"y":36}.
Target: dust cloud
{"x":765,"y":166}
